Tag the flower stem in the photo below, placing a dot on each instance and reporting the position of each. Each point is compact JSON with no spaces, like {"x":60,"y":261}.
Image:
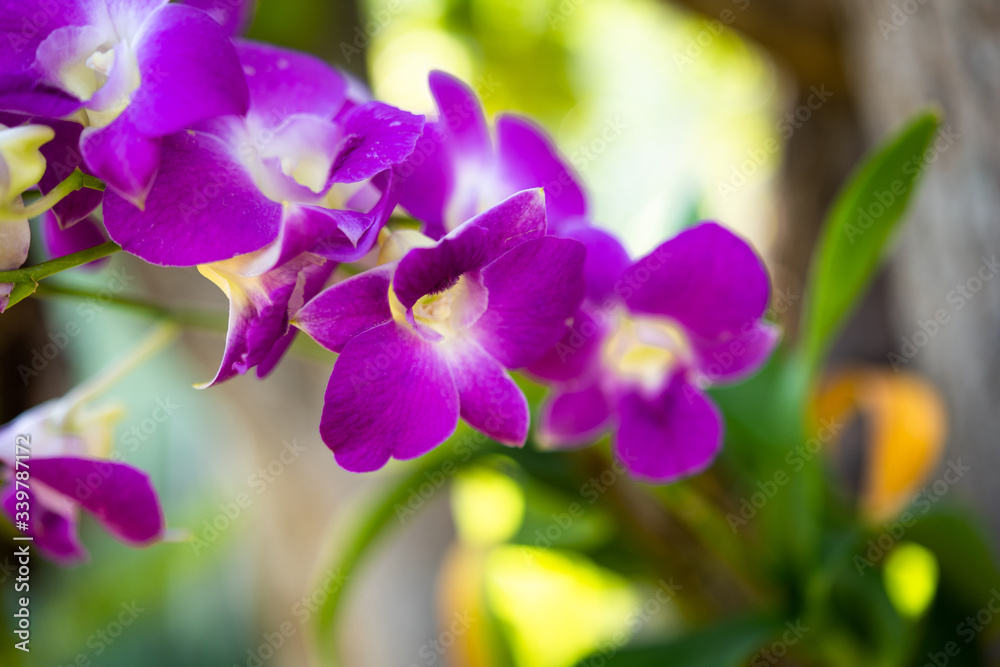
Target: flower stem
{"x":54,"y":266}
{"x":207,"y":320}
{"x":159,"y":338}
{"x":73,"y":182}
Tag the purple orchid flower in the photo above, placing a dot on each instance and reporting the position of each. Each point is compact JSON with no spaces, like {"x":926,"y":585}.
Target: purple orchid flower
{"x":306,"y":170}
{"x":66,"y":474}
{"x":649,"y":337}
{"x":426,"y":336}
{"x":456,"y":170}
{"x":132,"y":72}
{"x":260,"y":308}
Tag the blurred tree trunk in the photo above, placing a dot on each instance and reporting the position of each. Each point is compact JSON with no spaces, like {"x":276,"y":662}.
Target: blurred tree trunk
{"x":904,"y":55}
{"x":883,"y":60}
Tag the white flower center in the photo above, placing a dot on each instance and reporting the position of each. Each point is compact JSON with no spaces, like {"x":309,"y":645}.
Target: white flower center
{"x":101,"y":62}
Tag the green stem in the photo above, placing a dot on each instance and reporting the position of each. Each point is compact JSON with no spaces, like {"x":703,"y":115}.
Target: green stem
{"x":73,"y":182}
{"x":208,"y":320}
{"x":157,"y":340}
{"x":54,"y":266}
{"x":710,"y":528}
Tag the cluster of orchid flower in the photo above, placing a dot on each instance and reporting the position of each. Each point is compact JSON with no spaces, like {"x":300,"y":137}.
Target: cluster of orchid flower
{"x":471,"y":251}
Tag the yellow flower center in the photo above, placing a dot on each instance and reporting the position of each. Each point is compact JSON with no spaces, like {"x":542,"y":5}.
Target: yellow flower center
{"x":646,"y":349}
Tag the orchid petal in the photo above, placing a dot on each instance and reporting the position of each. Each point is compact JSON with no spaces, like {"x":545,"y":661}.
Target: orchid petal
{"x":204,"y":207}
{"x":573,"y":418}
{"x":391,"y":394}
{"x":670,"y":435}
{"x":533,"y":289}
{"x":491,"y":402}
{"x":179,"y":88}
{"x":706,"y":278}
{"x":347,"y":309}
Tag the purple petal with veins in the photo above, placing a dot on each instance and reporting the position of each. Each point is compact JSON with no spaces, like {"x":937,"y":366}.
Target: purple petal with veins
{"x":177,"y":89}
{"x":533,"y":290}
{"x":490,"y":401}
{"x":204,"y":207}
{"x":347,"y":309}
{"x":377,"y":136}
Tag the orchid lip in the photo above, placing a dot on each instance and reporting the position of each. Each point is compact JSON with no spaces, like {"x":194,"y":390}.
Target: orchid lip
{"x":646,"y":351}
{"x":444,"y":314}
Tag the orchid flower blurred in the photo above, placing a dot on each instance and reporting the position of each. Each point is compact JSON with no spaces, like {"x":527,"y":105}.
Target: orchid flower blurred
{"x":456,"y":170}
{"x":650,"y":336}
{"x":66,"y":467}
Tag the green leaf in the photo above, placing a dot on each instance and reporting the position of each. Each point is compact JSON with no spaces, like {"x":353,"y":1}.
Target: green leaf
{"x":400,"y":501}
{"x":962,"y":546}
{"x":854,"y":235}
{"x":726,"y":644}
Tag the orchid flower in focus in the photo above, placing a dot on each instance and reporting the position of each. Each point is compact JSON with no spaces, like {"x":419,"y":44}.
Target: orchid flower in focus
{"x":427,"y":336}
{"x":267,"y":205}
{"x":130,"y":72}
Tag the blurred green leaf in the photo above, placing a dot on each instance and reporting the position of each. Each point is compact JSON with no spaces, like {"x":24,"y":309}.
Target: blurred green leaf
{"x":726,"y":644}
{"x":854,"y":235}
{"x":399,"y":502}
{"x":559,"y":520}
{"x":967,"y":560}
